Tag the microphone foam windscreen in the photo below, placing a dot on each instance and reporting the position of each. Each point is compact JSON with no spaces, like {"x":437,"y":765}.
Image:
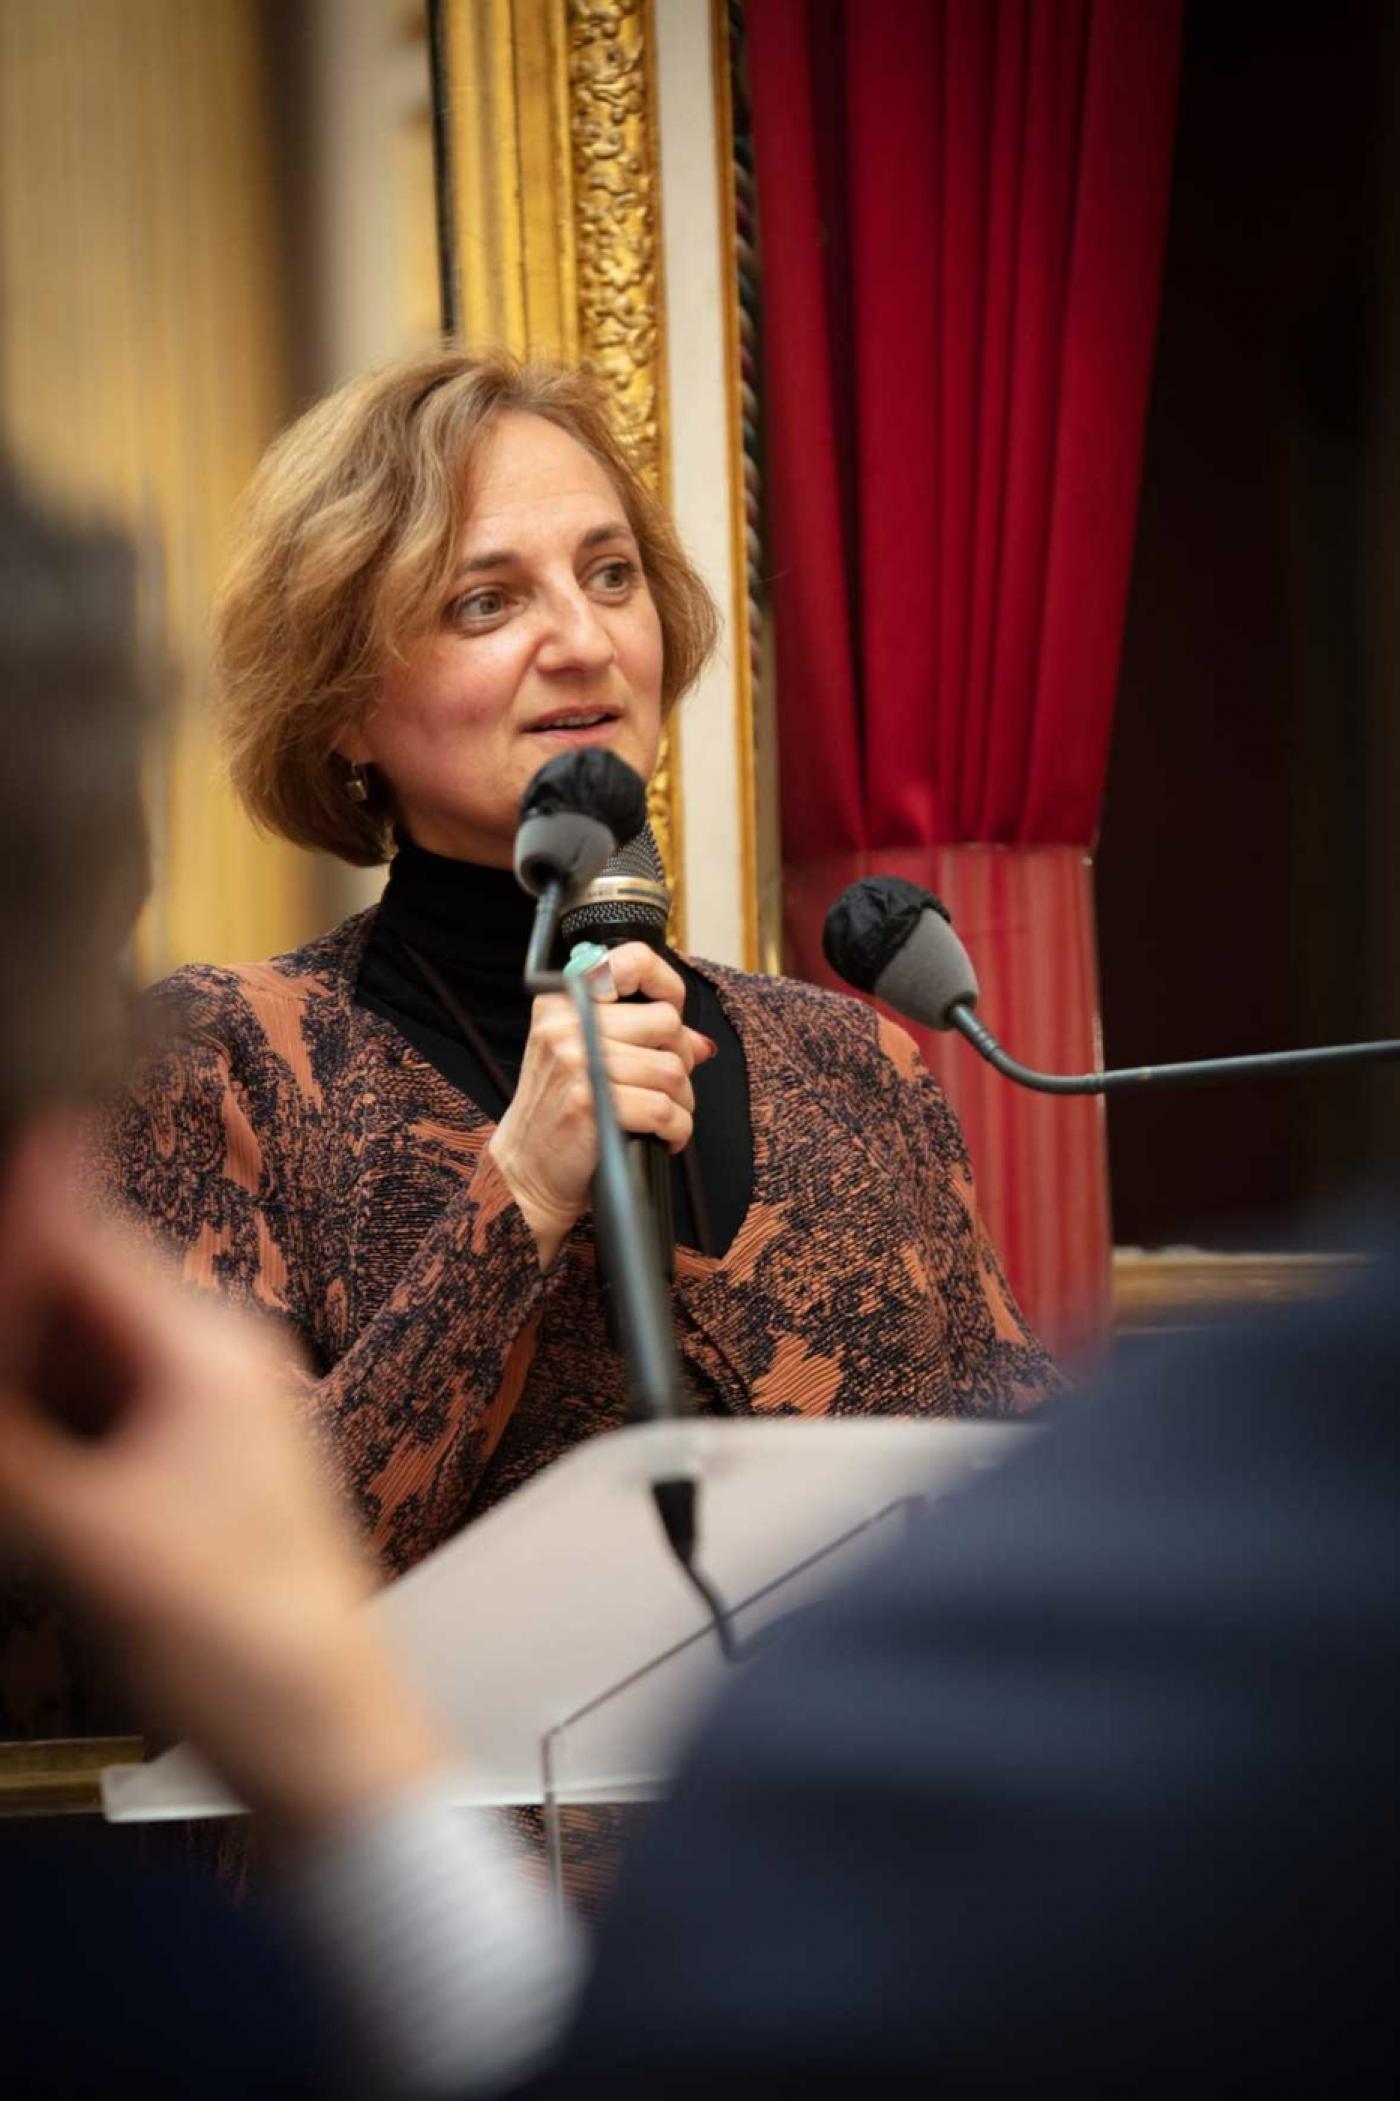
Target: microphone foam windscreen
{"x":928,"y":974}
{"x":589,"y":783}
{"x":870,"y":923}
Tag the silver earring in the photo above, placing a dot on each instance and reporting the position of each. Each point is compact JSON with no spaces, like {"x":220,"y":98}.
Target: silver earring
{"x":357,"y":787}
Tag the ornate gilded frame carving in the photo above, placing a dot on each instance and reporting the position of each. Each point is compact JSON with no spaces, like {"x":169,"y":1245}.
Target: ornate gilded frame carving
{"x":755,"y":728}
{"x":548,"y":121}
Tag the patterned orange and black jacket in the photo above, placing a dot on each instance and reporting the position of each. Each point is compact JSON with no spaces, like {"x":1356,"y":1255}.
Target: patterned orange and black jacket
{"x":304,"y":1158}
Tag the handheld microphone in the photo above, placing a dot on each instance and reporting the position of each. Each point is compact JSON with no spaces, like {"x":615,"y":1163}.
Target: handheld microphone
{"x":629,"y":901}
{"x":888,"y":937}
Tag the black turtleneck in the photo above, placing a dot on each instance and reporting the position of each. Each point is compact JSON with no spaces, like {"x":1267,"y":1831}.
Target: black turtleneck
{"x":472,"y":925}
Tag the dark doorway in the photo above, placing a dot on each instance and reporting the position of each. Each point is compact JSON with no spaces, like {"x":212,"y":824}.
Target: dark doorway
{"x":1247,"y":872}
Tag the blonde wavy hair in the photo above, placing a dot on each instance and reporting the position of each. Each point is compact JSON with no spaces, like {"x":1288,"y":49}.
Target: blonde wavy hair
{"x":345,"y":546}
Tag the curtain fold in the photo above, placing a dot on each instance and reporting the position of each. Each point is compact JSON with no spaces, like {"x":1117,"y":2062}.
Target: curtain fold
{"x":962,"y":208}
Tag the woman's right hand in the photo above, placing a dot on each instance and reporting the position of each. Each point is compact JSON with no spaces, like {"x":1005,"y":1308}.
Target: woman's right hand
{"x":546,"y":1144}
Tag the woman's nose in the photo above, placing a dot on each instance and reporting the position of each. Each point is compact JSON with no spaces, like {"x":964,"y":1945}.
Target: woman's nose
{"x":576,"y":635}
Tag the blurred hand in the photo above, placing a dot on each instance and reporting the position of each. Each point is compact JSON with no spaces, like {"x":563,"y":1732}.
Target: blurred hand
{"x":546,"y":1144}
{"x":150,"y":1454}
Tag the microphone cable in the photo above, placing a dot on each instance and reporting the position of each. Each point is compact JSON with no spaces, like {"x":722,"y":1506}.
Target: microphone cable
{"x":676,"y":1500}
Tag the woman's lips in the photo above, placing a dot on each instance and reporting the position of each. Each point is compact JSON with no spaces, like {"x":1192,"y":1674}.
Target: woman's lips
{"x":577,"y":733}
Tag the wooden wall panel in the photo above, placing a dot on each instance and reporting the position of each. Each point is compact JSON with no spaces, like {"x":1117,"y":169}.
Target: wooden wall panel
{"x":141,"y":367}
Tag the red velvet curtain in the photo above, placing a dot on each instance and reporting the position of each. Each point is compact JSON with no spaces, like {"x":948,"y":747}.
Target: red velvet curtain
{"x":962,"y":209}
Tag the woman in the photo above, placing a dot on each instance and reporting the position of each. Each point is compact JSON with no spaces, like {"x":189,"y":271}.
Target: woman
{"x":449,"y":572}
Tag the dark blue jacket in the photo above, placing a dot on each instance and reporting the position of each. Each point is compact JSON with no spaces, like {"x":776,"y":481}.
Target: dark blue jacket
{"x":1090,"y":1783}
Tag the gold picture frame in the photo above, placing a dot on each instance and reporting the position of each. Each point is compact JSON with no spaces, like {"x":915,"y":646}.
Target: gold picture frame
{"x":547,"y":127}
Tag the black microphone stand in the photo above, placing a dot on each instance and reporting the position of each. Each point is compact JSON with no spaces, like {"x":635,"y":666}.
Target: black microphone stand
{"x":1192,"y":1072}
{"x":629,"y":1251}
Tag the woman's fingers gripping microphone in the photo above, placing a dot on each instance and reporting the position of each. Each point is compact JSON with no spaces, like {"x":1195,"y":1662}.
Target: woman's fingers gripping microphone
{"x":546,"y":1145}
{"x":652,"y":1093}
{"x":639,"y":972}
{"x":652,"y":1025}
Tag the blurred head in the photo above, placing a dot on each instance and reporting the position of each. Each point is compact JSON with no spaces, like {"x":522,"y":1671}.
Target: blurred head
{"x":73,"y":691}
{"x":446,"y":573}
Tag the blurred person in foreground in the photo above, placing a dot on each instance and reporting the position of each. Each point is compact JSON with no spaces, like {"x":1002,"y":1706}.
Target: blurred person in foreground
{"x":100,"y":1973}
{"x":151,"y":1464}
{"x":74,"y":689}
{"x":1090,"y":1781}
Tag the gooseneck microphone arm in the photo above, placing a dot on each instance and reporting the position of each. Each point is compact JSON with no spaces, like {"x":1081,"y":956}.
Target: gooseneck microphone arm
{"x":572,"y":814}
{"x":549,"y":903}
{"x":628,"y":1249}
{"x":889,"y":937}
{"x":1193,"y":1072}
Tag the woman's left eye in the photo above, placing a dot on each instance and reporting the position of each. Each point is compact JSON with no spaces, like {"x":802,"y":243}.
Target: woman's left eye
{"x":616,"y":576}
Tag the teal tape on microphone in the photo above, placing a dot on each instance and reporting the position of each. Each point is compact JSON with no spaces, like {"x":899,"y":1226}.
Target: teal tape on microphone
{"x":583,"y":957}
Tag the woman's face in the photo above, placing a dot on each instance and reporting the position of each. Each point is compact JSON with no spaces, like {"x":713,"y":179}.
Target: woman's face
{"x":548,"y":639}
